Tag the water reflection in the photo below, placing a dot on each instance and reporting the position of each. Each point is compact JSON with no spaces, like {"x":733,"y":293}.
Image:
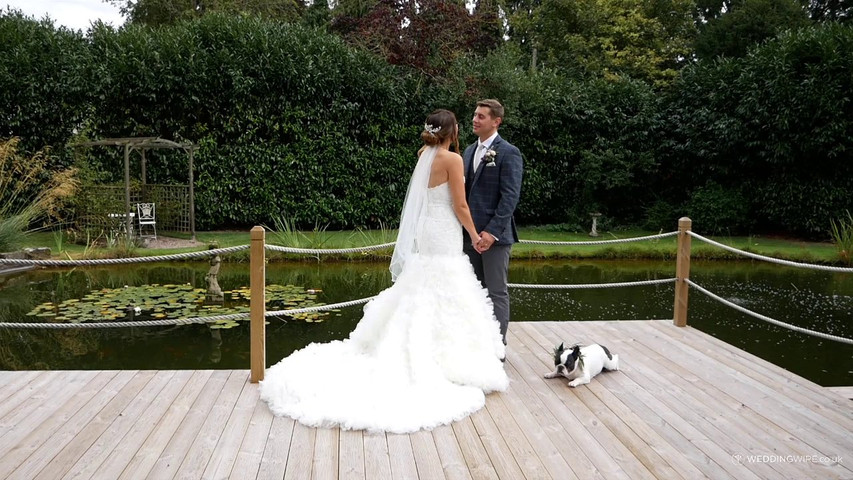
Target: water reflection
{"x":821,"y":301}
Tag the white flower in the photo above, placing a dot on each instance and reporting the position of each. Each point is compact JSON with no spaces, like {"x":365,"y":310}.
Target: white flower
{"x":489,"y":157}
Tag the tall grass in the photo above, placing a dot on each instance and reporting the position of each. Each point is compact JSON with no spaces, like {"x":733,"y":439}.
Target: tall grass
{"x":842,"y":236}
{"x":29,"y":193}
{"x":286,"y":234}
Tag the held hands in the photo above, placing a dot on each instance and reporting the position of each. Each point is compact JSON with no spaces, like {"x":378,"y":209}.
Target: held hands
{"x":485,"y":242}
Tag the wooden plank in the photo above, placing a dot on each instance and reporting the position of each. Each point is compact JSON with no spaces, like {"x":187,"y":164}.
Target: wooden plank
{"x":705,"y":455}
{"x":746,"y":360}
{"x":524,"y":454}
{"x":231,"y":436}
{"x":665,"y":402}
{"x":208,"y":436}
{"x":801,"y":390}
{"x":15,"y":381}
{"x":747,"y":431}
{"x":156,"y":442}
{"x":403,"y":465}
{"x":539,"y":427}
{"x":725,"y":431}
{"x":326,"y":456}
{"x":66,"y":433}
{"x":21,"y":449}
{"x":113,"y":436}
{"x":29,"y":415}
{"x":525,"y":354}
{"x":377,"y":462}
{"x":706,"y":406}
{"x":173,"y":454}
{"x":89,"y":434}
{"x":822,"y":435}
{"x":277,"y":449}
{"x":452,"y":459}
{"x":845,"y":392}
{"x":251,"y":452}
{"x":127,"y":447}
{"x":553,"y":443}
{"x":351,"y":458}
{"x":301,"y":455}
{"x":473,"y":450}
{"x":641,"y":432}
{"x":499,"y":452}
{"x":22,"y":399}
{"x":706,"y":412}
{"x":426,"y":455}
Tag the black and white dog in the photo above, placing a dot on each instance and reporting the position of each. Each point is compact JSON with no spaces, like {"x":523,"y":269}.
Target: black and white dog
{"x":580,"y":364}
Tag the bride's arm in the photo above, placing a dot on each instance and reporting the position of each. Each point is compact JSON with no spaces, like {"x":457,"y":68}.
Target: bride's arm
{"x":456,"y":180}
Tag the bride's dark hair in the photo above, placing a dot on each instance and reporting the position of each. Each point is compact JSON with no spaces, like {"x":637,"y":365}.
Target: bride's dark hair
{"x":438,"y":127}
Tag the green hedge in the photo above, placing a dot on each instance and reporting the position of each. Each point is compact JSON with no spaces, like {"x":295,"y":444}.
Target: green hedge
{"x":293,"y":122}
{"x":775,"y":127}
{"x":45,"y":82}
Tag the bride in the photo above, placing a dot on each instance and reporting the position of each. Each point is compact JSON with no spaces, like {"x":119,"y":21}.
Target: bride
{"x":428,"y":348}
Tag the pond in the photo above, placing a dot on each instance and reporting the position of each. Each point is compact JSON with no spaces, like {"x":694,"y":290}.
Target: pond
{"x":822,"y":301}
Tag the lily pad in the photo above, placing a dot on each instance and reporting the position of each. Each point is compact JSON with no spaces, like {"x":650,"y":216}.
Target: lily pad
{"x":155,"y":301}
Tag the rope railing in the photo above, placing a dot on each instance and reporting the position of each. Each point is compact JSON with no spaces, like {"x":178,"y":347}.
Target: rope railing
{"x":187,"y":255}
{"x":320,"y":251}
{"x":770,"y":259}
{"x":293,"y":311}
{"x":594,"y":285}
{"x":681,"y":281}
{"x":601,"y":242}
{"x":282,"y":249}
{"x":123,"y":261}
{"x":759,"y":316}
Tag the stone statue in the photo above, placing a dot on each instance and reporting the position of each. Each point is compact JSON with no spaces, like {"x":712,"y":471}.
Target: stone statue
{"x":214,"y":292}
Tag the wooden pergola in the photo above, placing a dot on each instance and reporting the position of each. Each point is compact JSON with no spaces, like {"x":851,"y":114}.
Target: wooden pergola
{"x":142,"y":144}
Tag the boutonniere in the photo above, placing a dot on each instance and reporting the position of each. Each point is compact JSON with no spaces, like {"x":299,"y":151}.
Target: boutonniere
{"x":489,"y":157}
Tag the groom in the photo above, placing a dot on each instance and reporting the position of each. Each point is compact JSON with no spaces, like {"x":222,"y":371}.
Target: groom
{"x":493,"y":169}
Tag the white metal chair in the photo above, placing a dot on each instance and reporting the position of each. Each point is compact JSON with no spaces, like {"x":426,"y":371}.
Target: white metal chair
{"x":147,"y":216}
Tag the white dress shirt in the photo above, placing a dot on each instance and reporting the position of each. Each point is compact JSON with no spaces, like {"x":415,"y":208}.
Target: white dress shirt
{"x":481,"y":149}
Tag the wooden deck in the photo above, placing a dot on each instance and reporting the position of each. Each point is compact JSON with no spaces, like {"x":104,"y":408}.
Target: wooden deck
{"x":684,"y":405}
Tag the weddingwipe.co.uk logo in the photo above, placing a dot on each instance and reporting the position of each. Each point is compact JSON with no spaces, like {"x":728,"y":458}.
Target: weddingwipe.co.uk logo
{"x":775,"y":458}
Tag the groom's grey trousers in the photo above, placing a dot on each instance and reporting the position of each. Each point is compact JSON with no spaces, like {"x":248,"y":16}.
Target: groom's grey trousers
{"x":492,"y":268}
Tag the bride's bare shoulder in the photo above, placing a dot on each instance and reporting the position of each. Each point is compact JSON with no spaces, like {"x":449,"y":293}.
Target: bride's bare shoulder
{"x":448,"y":156}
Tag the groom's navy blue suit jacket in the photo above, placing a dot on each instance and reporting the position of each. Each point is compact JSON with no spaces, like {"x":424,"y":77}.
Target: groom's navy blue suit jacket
{"x":493,"y":191}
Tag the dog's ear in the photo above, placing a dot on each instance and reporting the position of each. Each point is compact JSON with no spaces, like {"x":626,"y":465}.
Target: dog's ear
{"x":561,"y":348}
{"x":576,"y":351}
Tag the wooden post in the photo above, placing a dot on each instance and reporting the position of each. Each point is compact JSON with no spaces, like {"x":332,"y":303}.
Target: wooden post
{"x":682,"y":272}
{"x":257,"y":306}
{"x":128,"y":222}
{"x":144,"y":179}
{"x":192,"y":195}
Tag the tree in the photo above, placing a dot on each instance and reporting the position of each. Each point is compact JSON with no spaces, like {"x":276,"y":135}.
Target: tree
{"x":831,"y":10}
{"x":318,"y":15}
{"x":164,"y":12}
{"x":427,"y":35}
{"x":747,"y":23}
{"x":645,"y":39}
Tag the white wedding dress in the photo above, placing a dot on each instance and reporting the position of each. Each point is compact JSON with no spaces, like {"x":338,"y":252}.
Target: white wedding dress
{"x":425,"y":353}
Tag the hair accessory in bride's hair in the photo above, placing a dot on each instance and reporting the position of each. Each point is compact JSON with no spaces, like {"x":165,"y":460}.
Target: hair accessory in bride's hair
{"x":432,"y":130}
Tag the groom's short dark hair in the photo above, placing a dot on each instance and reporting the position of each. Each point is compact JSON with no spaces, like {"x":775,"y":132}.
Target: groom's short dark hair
{"x":494,"y":106}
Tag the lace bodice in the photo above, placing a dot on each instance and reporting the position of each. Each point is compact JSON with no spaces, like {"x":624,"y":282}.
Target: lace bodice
{"x":442,"y":232}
